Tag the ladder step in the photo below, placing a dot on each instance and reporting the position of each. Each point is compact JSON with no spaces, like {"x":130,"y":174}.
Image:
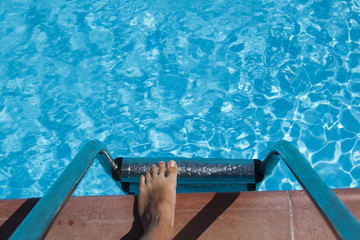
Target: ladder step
{"x":133,"y":188}
{"x":195,"y":175}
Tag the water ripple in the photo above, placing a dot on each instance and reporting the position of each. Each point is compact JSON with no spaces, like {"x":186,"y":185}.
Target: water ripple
{"x":192,"y":79}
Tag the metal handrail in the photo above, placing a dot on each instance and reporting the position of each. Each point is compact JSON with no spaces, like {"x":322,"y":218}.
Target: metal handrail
{"x":343,"y":222}
{"x":49,"y":206}
{"x":39,"y":220}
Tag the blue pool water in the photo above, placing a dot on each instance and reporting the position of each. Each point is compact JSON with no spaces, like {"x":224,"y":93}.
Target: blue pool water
{"x":163,"y":78}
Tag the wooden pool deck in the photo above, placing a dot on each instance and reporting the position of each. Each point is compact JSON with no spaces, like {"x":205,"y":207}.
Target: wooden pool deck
{"x":245,"y":215}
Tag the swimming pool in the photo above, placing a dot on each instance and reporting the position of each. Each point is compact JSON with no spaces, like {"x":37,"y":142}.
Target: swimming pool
{"x":205,"y":79}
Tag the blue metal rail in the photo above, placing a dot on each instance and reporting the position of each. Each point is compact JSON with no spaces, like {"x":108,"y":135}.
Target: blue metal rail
{"x":332,"y":208}
{"x":40,"y":219}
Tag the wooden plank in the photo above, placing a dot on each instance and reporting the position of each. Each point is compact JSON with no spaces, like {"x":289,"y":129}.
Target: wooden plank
{"x":245,"y":215}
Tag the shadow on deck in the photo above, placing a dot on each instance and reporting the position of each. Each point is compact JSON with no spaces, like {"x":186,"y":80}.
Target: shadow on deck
{"x":245,"y":215}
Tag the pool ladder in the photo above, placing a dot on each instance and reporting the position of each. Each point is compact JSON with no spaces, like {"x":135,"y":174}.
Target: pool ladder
{"x":195,"y":175}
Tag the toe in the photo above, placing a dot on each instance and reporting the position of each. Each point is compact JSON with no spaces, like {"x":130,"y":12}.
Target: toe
{"x":147,"y":176}
{"x":161,"y":168}
{"x":154,"y":170}
{"x":171,"y":169}
{"x":142,"y":181}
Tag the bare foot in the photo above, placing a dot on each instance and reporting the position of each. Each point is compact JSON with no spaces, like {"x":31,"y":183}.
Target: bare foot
{"x":157,"y":199}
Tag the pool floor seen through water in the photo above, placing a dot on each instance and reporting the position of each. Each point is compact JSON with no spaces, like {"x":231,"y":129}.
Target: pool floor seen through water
{"x":200,"y":79}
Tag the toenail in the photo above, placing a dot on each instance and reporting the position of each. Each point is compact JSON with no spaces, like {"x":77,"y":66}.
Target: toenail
{"x":172,"y":163}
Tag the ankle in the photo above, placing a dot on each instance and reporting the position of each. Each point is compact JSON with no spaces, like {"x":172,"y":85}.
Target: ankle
{"x":160,"y":231}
